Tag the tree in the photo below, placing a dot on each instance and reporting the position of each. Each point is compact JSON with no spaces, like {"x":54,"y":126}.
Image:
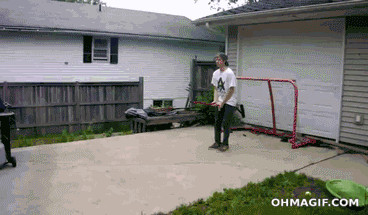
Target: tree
{"x":94,"y":2}
{"x":221,"y":4}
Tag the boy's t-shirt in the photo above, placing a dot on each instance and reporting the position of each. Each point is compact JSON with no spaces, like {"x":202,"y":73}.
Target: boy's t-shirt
{"x":222,"y":82}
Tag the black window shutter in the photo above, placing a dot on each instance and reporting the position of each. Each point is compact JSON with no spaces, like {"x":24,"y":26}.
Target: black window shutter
{"x":114,"y":50}
{"x":87,"y":49}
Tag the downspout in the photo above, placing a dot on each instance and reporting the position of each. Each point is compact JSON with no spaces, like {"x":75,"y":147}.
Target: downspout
{"x":226,"y":39}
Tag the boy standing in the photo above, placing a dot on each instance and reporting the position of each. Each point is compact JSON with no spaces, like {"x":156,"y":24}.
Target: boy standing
{"x":224,"y":81}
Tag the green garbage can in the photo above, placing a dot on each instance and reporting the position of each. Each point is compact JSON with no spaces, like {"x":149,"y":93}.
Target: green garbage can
{"x":346,"y":189}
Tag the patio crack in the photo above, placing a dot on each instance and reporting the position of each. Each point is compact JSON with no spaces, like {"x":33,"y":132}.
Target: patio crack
{"x":313,"y":163}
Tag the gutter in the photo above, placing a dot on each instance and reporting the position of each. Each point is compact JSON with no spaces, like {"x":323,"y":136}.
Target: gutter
{"x":354,"y":4}
{"x":100,"y":33}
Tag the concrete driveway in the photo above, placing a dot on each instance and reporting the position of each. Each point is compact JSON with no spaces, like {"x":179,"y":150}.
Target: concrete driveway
{"x":157,"y":171}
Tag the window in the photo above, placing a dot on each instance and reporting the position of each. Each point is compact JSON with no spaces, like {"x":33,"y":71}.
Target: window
{"x":163,"y":103}
{"x":100,"y":49}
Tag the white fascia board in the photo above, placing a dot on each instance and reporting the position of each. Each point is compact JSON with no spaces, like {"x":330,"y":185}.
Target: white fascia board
{"x":343,"y":7}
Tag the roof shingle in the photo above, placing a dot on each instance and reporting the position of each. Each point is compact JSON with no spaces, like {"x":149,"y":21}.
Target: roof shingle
{"x":49,"y":14}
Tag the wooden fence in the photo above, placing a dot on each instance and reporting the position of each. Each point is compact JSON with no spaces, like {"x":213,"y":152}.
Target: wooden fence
{"x":42,"y":108}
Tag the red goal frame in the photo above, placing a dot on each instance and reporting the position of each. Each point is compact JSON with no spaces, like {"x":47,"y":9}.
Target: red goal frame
{"x":295,"y":143}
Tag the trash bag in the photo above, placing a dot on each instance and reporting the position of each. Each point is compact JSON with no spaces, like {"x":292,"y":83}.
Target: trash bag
{"x":152,"y":113}
{"x":134,"y":112}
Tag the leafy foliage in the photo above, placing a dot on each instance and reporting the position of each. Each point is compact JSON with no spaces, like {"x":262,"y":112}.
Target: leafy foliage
{"x":64,"y":136}
{"x":94,"y":2}
{"x":84,"y":135}
{"x":207,"y":112}
{"x":219,"y":5}
{"x":109,"y":132}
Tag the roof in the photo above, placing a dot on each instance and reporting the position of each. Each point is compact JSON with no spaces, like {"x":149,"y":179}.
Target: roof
{"x":284,"y":8}
{"x":77,"y":18}
{"x":264,"y":5}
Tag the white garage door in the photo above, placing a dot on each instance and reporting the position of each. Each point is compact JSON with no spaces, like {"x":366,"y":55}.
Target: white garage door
{"x":310,"y":52}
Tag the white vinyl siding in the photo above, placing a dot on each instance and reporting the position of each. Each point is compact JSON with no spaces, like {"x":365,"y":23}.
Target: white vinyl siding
{"x":355,"y":91}
{"x":310,"y":52}
{"x":164,"y":64}
{"x":232,"y":48}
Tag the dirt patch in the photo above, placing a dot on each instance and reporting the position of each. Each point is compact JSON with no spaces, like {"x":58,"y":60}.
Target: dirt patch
{"x":313,"y":188}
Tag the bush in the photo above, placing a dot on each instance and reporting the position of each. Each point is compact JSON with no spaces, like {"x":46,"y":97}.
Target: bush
{"x":89,"y":130}
{"x":64,"y":136}
{"x":84,"y":135}
{"x":125,"y":127}
{"x":25,"y":142}
{"x":71,"y":138}
{"x":109,"y":132}
{"x":208,"y":112}
{"x":236,"y":119}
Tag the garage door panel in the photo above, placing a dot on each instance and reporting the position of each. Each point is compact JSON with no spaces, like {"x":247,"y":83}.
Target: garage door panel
{"x":291,"y":58}
{"x":256,"y":101}
{"x":257,"y":113}
{"x":317,"y":123}
{"x":312,"y":56}
{"x":285,"y":118}
{"x":318,"y":101}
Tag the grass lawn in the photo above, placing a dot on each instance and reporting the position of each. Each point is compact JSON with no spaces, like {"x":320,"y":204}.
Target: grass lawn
{"x":22,"y":141}
{"x":255,"y":198}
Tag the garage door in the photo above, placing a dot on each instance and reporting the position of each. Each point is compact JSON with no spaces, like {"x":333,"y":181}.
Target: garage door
{"x":310,"y":52}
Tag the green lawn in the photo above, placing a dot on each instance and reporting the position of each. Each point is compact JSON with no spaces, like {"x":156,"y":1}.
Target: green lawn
{"x":255,"y":198}
{"x":22,"y":141}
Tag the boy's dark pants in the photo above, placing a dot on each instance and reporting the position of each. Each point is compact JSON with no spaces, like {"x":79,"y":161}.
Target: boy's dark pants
{"x":223,"y":119}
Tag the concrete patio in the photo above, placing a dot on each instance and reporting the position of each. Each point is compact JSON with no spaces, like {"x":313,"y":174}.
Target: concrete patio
{"x":149,"y":172}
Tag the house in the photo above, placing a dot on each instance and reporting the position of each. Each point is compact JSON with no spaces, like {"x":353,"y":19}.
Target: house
{"x":321,"y":44}
{"x":51,"y":41}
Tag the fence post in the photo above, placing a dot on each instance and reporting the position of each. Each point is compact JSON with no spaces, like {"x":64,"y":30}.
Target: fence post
{"x":193,"y":84}
{"x":5,"y":91}
{"x":77,"y":101}
{"x":141,"y":92}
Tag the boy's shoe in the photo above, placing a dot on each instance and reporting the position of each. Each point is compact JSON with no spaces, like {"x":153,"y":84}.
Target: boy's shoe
{"x":214,"y":146}
{"x":223,"y":148}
